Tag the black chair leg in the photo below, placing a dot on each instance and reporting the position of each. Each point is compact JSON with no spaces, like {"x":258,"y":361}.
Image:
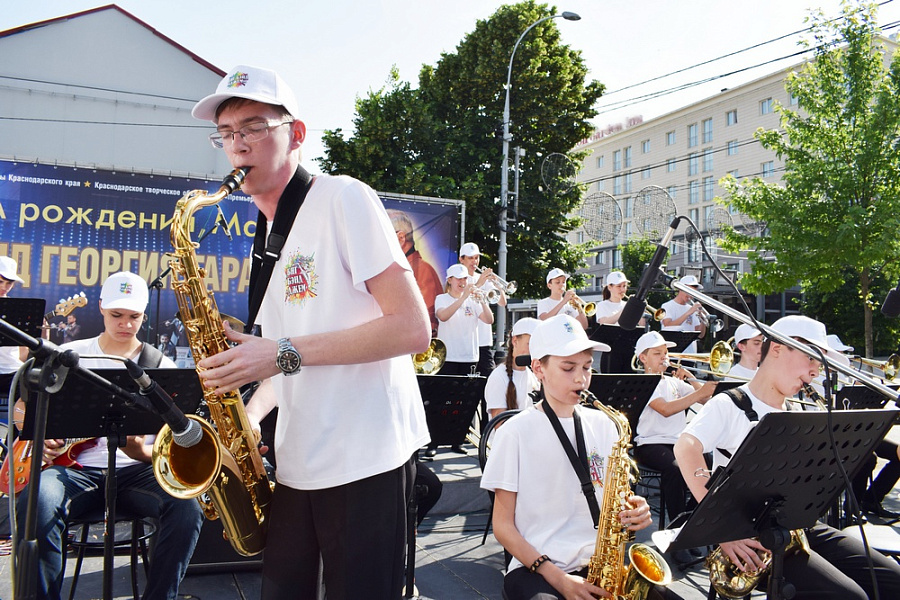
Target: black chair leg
{"x":79,"y":560}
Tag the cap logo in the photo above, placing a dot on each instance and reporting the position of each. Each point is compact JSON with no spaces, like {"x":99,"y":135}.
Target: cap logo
{"x":568,"y":327}
{"x":125,"y":288}
{"x":238,"y":80}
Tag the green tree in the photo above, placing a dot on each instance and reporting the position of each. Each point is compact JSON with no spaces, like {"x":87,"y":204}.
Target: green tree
{"x":835,"y":215}
{"x":442,"y":138}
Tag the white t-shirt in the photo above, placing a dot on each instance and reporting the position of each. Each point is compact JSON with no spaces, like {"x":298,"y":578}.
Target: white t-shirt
{"x":739,"y":371}
{"x":654,"y":428}
{"x":721,"y":424}
{"x":460,"y":332}
{"x":497,"y":382}
{"x":674,"y":310}
{"x":97,"y":455}
{"x":608,"y":308}
{"x":339,"y":423}
{"x":485,"y":330}
{"x":547,"y":304}
{"x":552,"y":513}
{"x":9,"y":360}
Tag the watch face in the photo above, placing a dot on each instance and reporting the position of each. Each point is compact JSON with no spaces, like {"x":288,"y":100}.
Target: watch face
{"x":289,"y":361}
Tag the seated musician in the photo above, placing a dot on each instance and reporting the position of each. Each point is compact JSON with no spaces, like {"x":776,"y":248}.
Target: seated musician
{"x":748,"y":341}
{"x":509,"y":386}
{"x":663,"y":420}
{"x":836,"y":564}
{"x":70,"y":492}
{"x":541,"y":516}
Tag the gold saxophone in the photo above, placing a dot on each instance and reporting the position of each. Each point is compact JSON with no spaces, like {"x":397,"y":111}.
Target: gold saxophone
{"x":731,"y":582}
{"x":226,"y":464}
{"x":607,"y":567}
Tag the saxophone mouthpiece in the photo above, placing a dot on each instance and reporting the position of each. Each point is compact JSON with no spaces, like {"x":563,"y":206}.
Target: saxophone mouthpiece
{"x":235,"y":179}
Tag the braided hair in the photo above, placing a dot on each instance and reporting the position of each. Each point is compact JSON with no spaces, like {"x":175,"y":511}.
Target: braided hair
{"x":511,"y":397}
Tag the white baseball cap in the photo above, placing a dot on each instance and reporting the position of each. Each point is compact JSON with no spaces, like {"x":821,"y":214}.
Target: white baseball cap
{"x":651,"y":339}
{"x":554,"y":273}
{"x":525,"y":326}
{"x":459,"y":271}
{"x":252,"y":83}
{"x":561,"y":335}
{"x":616,"y":277}
{"x":691,"y":281}
{"x":745,"y":332}
{"x":469,"y":249}
{"x":809,"y":330}
{"x":124,"y":290}
{"x":836,"y":343}
{"x":8,"y":269}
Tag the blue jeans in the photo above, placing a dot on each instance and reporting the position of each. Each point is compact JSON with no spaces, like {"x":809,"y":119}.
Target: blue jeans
{"x":69,"y":493}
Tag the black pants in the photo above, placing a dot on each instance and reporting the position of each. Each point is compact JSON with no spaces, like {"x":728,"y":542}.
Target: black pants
{"x":886,"y":479}
{"x":428,"y":491}
{"x":521,"y":584}
{"x":358,"y":529}
{"x":661,"y":457}
{"x":485,"y":360}
{"x":836,"y":568}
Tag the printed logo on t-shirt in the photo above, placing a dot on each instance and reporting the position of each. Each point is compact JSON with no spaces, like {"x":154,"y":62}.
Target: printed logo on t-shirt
{"x":597,"y":464}
{"x":469,"y":312}
{"x":300,"y":279}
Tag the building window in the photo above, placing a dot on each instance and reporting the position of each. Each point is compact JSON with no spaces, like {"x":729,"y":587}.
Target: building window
{"x":692,"y":135}
{"x":628,"y":157}
{"x":707,"y":160}
{"x":600,"y":185}
{"x":733,"y":173}
{"x":645,"y":147}
{"x":617,"y":185}
{"x":670,"y":165}
{"x":732,"y":148}
{"x":766,"y":106}
{"x":579,"y":237}
{"x":708,"y":186}
{"x":629,"y":230}
{"x":670,"y":138}
{"x":645,"y":173}
{"x":693,"y":164}
{"x":731,"y":118}
{"x":598,"y":258}
{"x":693,"y":192}
{"x":617,"y":160}
{"x":600,"y":162}
{"x":672,"y":190}
{"x":707,"y":131}
{"x":629,"y":207}
{"x":768,"y":169}
{"x":627,"y":183}
{"x":794,"y":100}
{"x":707,"y":215}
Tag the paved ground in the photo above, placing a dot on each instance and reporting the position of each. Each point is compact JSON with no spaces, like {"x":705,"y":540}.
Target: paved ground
{"x":451,"y":562}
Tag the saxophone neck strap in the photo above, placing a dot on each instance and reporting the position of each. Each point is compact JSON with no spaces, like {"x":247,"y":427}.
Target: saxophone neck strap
{"x":267,"y":248}
{"x":579,"y":461}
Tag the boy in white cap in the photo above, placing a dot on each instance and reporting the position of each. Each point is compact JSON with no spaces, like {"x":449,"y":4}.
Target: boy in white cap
{"x":340,"y":317}
{"x":486,"y":281}
{"x":541,"y":513}
{"x":510,"y":385}
{"x":561,"y":301}
{"x":836,"y":564}
{"x":663,"y":419}
{"x":67,"y":493}
{"x":683,"y":313}
{"x":748,"y":340}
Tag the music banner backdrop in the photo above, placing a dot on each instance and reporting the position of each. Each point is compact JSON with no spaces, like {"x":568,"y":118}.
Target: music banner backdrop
{"x":68,"y":228}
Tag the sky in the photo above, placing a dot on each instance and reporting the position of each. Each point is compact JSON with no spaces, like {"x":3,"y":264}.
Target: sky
{"x":334,"y":51}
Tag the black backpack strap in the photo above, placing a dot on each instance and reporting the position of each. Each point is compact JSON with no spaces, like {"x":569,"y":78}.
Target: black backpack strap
{"x":267,"y":249}
{"x":743,"y":402}
{"x":150,"y":357}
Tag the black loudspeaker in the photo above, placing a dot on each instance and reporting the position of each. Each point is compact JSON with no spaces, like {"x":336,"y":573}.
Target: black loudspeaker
{"x":214,"y":554}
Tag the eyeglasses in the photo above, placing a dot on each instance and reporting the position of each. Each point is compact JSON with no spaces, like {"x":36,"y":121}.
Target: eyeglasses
{"x":253,"y":132}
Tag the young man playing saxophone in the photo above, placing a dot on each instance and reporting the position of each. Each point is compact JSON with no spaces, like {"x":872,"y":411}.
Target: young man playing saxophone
{"x":343,"y":305}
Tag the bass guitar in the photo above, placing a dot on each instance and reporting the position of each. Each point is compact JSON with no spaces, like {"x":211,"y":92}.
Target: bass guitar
{"x":21,"y":452}
{"x":65,"y":307}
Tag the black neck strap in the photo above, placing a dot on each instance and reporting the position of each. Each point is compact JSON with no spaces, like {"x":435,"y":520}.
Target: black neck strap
{"x":267,"y":249}
{"x":579,"y":461}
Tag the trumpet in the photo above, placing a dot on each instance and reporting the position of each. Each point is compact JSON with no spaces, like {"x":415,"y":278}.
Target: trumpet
{"x":588,"y":308}
{"x":890,"y":367}
{"x":703,"y":315}
{"x":720,"y":358}
{"x":491,"y":296}
{"x":509,"y":287}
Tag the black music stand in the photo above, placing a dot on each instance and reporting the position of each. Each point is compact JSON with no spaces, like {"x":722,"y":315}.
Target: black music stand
{"x":682,"y":339}
{"x":621,"y":342}
{"x":25,"y":314}
{"x":724,"y":386}
{"x":860,"y":396}
{"x":84,"y":407}
{"x":783,"y":477}
{"x":627,"y":393}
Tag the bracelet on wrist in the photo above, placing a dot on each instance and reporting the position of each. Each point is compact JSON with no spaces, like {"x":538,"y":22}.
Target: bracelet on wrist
{"x":538,"y":562}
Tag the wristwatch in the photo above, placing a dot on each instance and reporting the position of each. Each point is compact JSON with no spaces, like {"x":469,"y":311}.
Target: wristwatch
{"x":288,"y":359}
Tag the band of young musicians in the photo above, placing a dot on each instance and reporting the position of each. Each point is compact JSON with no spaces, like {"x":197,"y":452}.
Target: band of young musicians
{"x":339,"y":514}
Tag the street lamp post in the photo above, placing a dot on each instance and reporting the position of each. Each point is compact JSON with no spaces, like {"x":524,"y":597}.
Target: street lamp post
{"x":504,"y":172}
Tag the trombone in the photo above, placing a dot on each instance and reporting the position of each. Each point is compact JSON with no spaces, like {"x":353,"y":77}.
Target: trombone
{"x":509,"y":287}
{"x":890,"y":367}
{"x":720,"y":358}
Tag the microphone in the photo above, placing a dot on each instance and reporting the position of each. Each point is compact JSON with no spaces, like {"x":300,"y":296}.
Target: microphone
{"x":221,"y":221}
{"x":634,"y":308}
{"x":523,"y":360}
{"x":891,"y":306}
{"x":185,"y":432}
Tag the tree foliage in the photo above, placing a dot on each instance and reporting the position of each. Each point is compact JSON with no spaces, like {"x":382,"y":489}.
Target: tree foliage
{"x":443,"y":137}
{"x":834,"y":217}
